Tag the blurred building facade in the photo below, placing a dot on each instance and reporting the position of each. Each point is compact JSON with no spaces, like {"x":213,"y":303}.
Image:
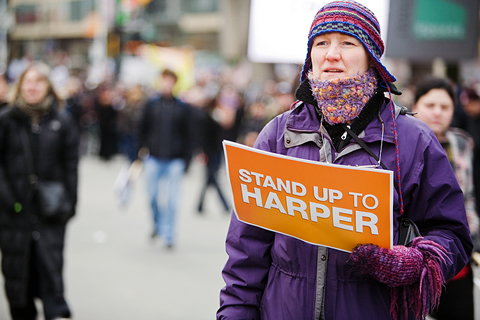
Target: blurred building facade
{"x":92,"y":30}
{"x":219,"y":26}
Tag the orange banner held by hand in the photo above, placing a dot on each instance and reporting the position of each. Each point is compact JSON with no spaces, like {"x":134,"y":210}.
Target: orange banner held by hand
{"x":323,"y":204}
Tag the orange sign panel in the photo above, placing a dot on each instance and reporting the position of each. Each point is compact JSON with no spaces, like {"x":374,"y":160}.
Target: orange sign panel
{"x":323,"y":204}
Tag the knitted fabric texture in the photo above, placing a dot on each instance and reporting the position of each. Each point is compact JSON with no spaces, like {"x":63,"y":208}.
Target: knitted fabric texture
{"x":355,"y":20}
{"x":36,"y":110}
{"x":342,"y":100}
{"x":413,"y":274}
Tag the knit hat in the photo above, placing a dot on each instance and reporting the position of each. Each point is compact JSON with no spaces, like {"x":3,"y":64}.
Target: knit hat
{"x":355,"y":20}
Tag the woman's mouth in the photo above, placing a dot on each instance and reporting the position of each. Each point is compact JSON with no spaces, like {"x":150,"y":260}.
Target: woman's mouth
{"x":333,"y":71}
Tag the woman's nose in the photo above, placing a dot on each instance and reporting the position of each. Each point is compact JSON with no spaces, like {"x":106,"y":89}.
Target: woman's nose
{"x":437,"y":110}
{"x":333,"y":52}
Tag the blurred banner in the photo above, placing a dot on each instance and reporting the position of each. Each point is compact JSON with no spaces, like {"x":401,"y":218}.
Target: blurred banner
{"x":278,"y":31}
{"x":427,"y":29}
{"x":150,"y":60}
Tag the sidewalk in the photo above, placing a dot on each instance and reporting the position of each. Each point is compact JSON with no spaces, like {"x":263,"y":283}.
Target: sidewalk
{"x":113,"y":269}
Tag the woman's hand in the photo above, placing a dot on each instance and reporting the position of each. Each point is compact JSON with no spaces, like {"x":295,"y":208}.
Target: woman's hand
{"x":394,"y":267}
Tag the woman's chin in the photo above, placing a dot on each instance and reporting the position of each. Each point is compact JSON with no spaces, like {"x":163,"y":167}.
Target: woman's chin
{"x":331,"y":76}
{"x":33,"y":100}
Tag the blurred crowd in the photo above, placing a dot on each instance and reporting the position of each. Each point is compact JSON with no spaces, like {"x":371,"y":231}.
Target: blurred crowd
{"x":108,"y":114}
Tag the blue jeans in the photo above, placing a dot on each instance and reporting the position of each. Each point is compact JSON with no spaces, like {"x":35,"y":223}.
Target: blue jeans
{"x":171,"y":172}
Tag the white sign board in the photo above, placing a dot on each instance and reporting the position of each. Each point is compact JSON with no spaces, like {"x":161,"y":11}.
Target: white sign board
{"x":278,"y":31}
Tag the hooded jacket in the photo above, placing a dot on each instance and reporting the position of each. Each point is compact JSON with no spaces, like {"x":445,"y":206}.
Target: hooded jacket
{"x":274,"y":276}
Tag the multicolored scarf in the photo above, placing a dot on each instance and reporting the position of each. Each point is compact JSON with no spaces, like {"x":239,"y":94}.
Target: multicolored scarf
{"x":342,"y":100}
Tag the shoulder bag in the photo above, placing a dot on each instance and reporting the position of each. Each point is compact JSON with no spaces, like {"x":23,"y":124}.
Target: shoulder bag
{"x":53,"y":199}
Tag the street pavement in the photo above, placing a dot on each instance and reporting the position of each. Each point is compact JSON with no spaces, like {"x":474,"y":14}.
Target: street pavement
{"x":113,"y":269}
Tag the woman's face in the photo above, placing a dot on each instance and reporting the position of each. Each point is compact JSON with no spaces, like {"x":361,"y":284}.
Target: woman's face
{"x":337,"y":55}
{"x":435,"y":108}
{"x":34,"y":87}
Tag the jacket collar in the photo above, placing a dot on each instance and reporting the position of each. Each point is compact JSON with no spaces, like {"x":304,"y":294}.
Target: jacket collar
{"x":17,"y":113}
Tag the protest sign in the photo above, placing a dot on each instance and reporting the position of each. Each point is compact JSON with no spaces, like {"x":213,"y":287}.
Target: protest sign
{"x":323,"y":204}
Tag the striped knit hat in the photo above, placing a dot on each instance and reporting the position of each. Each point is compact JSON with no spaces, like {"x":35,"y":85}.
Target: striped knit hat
{"x":355,"y":20}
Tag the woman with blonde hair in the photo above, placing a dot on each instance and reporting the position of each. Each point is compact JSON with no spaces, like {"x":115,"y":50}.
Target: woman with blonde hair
{"x":38,"y":147}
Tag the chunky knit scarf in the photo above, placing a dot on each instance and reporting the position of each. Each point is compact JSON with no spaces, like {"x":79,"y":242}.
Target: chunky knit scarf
{"x":36,"y":110}
{"x":342,"y":100}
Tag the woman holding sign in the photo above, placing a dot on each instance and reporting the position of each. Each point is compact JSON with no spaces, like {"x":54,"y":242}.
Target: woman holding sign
{"x":345,"y":91}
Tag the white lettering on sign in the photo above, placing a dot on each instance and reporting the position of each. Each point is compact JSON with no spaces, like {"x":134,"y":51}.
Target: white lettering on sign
{"x":334,"y":195}
{"x":375,"y":201}
{"x":314,"y":214}
{"x":294,"y":204}
{"x":324,"y":195}
{"x":355,"y":198}
{"x":273,"y":202}
{"x":283,"y":186}
{"x":245,"y":176}
{"x":337,"y":218}
{"x":341,"y":218}
{"x":371,"y":223}
{"x":257,"y":195}
{"x":298,"y":189}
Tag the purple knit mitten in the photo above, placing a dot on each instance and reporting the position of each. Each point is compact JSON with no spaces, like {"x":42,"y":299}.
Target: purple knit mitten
{"x":394,"y":267}
{"x":413,"y":273}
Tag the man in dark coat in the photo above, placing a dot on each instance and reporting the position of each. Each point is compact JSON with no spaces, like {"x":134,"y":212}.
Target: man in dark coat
{"x":166,"y":137}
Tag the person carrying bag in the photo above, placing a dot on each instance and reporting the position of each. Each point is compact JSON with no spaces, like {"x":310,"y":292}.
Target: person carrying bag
{"x":38,"y":192}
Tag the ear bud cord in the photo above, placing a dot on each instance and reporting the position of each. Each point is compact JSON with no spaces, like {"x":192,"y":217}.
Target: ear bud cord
{"x":396,"y":149}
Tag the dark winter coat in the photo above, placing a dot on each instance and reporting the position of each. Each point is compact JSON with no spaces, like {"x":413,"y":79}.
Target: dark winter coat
{"x":54,"y":146}
{"x":273,"y":276}
{"x":167,"y":129}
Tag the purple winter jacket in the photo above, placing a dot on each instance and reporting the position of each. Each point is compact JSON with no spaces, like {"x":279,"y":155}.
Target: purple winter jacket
{"x":274,"y":276}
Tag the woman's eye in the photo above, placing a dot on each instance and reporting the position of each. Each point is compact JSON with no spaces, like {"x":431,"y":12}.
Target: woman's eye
{"x":348,"y":43}
{"x":321,"y":43}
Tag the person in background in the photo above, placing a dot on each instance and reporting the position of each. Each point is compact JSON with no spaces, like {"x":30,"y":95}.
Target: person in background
{"x":284,"y":98}
{"x":470,"y":101}
{"x":210,"y":142}
{"x":434,"y":104}
{"x":32,"y":245}
{"x":129,"y":120}
{"x":107,"y":119}
{"x":345,"y":92}
{"x":166,"y":145}
{"x":253,"y":121}
{"x":73,"y":101}
{"x":229,"y":111}
{"x":3,"y":92}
